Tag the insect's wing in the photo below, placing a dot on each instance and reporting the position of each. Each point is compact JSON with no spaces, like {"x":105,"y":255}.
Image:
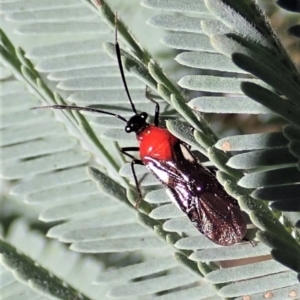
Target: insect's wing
{"x":222,"y":223}
{"x":198,"y":194}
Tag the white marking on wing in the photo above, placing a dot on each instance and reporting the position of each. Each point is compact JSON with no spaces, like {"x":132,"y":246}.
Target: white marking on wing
{"x":161,"y":174}
{"x":187,"y":153}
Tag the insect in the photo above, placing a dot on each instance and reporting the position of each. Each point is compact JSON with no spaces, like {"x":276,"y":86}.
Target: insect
{"x":191,"y":186}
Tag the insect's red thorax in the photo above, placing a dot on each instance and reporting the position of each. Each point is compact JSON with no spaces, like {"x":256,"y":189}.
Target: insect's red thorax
{"x":156,"y":142}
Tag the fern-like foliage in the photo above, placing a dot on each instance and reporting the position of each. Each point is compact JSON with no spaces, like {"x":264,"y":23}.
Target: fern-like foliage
{"x":75,"y":177}
{"x":37,"y":271}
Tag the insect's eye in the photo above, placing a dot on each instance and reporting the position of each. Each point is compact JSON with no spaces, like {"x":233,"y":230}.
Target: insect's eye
{"x":144,"y":115}
{"x":127,"y":128}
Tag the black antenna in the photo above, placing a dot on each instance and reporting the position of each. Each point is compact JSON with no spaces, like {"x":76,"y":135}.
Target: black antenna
{"x":118,"y":53}
{"x":72,"y":107}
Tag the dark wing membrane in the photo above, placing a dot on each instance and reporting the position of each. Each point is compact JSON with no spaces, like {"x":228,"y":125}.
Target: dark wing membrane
{"x":224,"y":229}
{"x":198,"y":193}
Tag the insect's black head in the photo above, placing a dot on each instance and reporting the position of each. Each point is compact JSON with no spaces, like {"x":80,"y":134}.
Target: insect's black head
{"x":136,"y":123}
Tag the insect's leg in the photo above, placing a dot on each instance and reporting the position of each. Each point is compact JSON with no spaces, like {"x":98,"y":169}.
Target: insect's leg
{"x":136,"y":162}
{"x":253,"y":243}
{"x":191,"y":128}
{"x":127,"y":149}
{"x":156,"y":115}
{"x":212,"y":169}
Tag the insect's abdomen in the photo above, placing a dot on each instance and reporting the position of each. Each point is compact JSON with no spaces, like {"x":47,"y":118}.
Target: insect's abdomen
{"x":157,"y":143}
{"x":223,"y":228}
{"x":198,"y":194}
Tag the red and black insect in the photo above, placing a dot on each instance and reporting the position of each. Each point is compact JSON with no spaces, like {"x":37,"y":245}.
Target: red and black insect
{"x":192,"y":187}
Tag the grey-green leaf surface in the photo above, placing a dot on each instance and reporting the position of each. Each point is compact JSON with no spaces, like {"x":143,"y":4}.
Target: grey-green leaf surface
{"x":31,"y":272}
{"x":269,"y":159}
